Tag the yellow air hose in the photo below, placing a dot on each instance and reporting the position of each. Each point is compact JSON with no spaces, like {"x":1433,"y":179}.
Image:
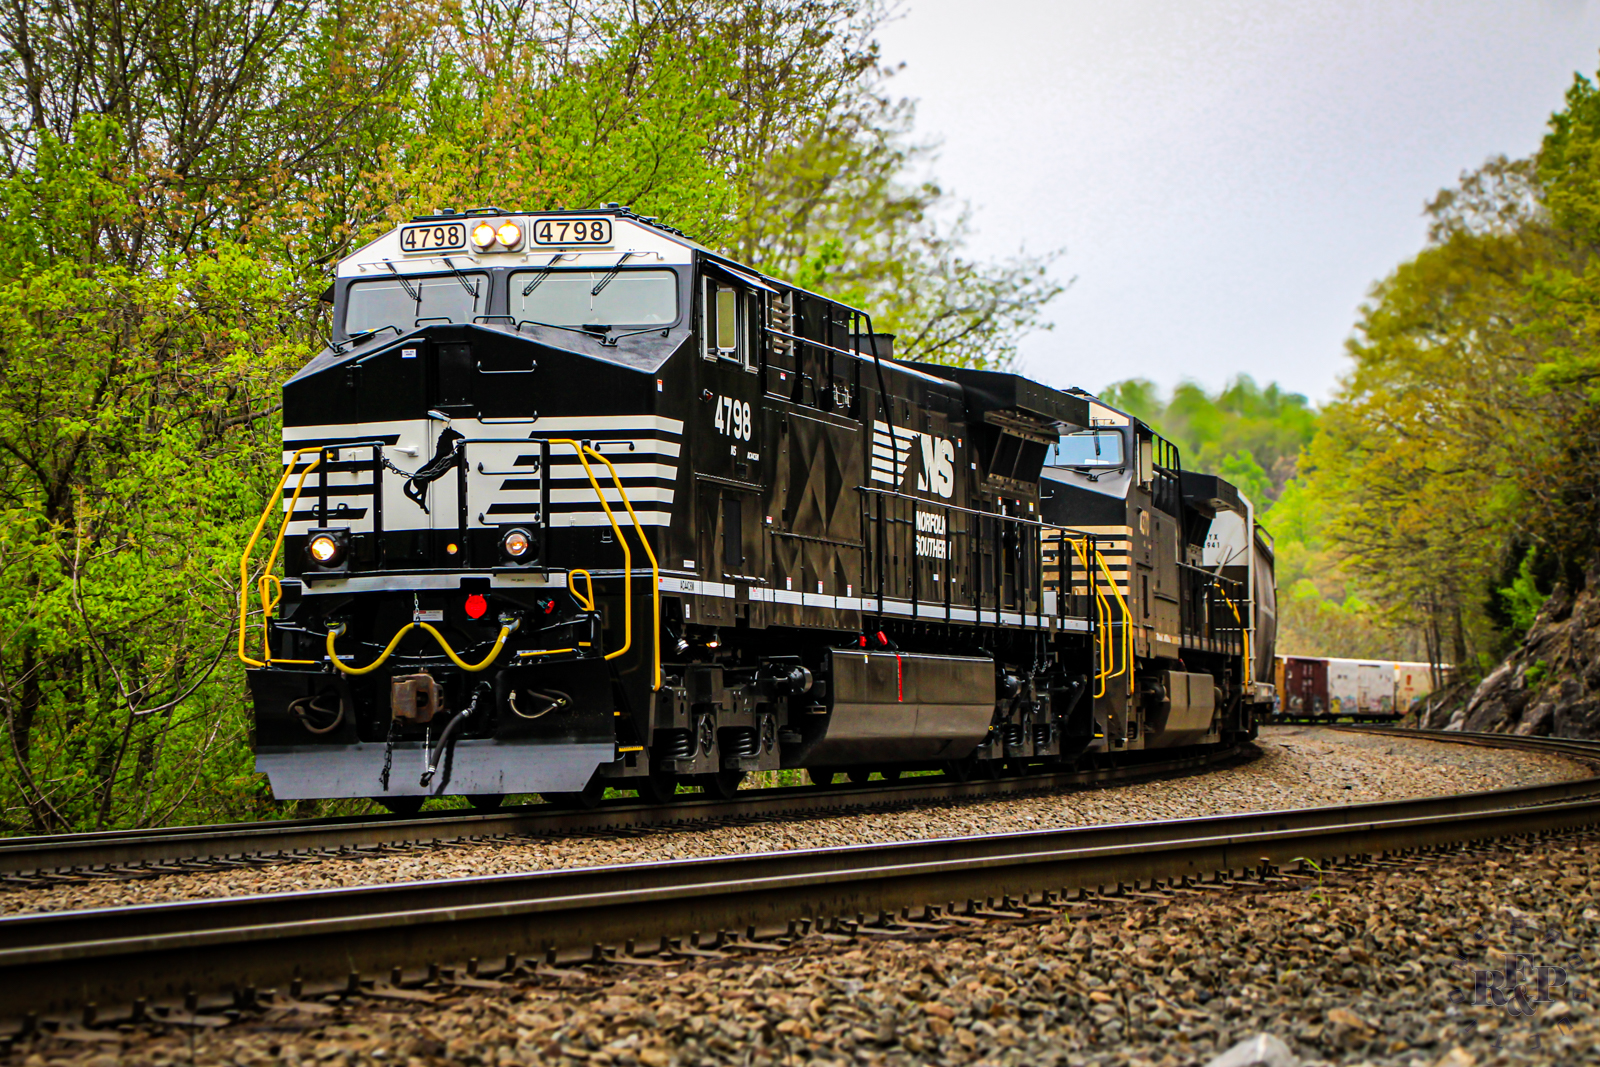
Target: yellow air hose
{"x":499,"y":643}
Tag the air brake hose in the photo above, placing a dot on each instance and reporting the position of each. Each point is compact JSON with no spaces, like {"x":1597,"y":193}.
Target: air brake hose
{"x":506,"y":631}
{"x":447,"y":738}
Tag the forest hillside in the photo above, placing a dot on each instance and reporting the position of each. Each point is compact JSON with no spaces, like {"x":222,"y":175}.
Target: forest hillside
{"x":176,"y":182}
{"x":1444,"y":503}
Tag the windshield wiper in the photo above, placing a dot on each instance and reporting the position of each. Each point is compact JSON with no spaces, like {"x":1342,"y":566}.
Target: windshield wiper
{"x":603,"y":282}
{"x":585,"y":331}
{"x":466,"y":283}
{"x":544,"y":272}
{"x":364,"y":336}
{"x":415,"y":294}
{"x":611,"y":340}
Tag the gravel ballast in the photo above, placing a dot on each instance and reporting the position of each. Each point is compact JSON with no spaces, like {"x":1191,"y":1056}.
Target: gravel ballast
{"x":1365,"y":964}
{"x":1298,"y":767}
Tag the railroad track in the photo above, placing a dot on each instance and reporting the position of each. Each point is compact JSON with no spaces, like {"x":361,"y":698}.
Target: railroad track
{"x":1576,"y":748}
{"x":30,"y":862}
{"x":206,"y":960}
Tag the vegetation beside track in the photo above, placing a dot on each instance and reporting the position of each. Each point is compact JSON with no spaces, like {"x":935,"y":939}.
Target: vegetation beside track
{"x":176,"y":178}
{"x":1451,"y":485}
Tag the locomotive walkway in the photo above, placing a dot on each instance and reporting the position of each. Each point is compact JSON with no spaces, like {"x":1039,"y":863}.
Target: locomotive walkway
{"x":394,"y":941}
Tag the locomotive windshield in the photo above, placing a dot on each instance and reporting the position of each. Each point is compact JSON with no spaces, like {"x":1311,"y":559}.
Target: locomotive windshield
{"x":402,"y":302}
{"x":1092,"y":448}
{"x":595,"y":297}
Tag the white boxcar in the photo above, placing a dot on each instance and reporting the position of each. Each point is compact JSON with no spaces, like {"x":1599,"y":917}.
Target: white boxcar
{"x":1412,"y":682}
{"x":1375,"y":685}
{"x":1344,"y":692}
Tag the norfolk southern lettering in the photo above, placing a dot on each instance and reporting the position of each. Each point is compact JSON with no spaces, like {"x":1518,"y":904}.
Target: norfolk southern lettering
{"x":574,"y":502}
{"x":931,"y":530}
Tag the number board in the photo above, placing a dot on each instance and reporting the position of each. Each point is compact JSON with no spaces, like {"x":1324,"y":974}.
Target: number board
{"x":438,"y":237}
{"x":572,"y":231}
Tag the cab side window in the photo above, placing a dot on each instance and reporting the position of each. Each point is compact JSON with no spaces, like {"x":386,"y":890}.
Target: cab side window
{"x":729,"y":314}
{"x":721,"y":320}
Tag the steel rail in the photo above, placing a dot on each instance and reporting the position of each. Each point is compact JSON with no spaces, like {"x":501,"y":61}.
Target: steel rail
{"x":57,"y":962}
{"x":1567,"y":746}
{"x":228,"y":841}
{"x":238,"y":841}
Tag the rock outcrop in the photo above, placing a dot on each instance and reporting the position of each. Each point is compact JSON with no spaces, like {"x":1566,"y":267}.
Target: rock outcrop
{"x":1550,"y":685}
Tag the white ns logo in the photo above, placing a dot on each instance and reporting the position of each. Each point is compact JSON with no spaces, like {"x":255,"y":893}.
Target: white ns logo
{"x":896,"y":453}
{"x":938,"y":466}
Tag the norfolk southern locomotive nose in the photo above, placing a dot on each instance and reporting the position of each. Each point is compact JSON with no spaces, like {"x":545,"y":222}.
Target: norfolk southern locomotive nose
{"x":573,"y":501}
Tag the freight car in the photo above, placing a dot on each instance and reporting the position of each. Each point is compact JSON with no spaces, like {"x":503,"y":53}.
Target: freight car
{"x":1302,"y":684}
{"x":1309,"y":688}
{"x":571,"y":501}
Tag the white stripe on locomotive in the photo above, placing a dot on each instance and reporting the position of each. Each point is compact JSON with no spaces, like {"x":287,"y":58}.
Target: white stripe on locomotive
{"x":639,"y":447}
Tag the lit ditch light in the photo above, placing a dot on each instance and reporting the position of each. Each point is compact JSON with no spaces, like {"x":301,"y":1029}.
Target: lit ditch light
{"x":327,"y":550}
{"x":517,"y":545}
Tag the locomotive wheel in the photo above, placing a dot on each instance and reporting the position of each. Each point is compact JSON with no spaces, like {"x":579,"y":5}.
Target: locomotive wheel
{"x":859,"y":775}
{"x":722,"y":784}
{"x":486,"y":801}
{"x":401,"y":805}
{"x":658,"y":787}
{"x":821,"y":777}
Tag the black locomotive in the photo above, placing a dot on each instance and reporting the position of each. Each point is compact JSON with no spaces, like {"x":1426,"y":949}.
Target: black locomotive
{"x":572,"y":501}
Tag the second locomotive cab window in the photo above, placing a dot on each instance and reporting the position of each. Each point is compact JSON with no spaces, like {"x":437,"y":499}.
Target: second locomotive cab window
{"x":403,"y":301}
{"x":1096,"y":448}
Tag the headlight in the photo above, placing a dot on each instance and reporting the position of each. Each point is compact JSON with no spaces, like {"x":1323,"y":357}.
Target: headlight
{"x":510,"y":235}
{"x":483,"y":235}
{"x":517,"y":544}
{"x":326,"y":549}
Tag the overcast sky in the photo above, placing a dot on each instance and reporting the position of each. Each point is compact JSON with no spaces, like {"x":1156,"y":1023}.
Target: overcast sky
{"x":1227,"y":177}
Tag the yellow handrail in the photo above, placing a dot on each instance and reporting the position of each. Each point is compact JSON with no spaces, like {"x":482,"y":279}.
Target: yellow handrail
{"x":499,"y":643}
{"x":244,"y":558}
{"x":627,"y":553}
{"x":1127,"y":617}
{"x":1243,"y":632}
{"x":586,"y":601}
{"x":655,"y":570}
{"x":270,"y":589}
{"x":1106,"y":653}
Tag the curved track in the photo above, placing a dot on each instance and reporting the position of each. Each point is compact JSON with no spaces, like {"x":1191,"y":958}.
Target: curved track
{"x":28,"y":861}
{"x":1576,"y":748}
{"x":390,"y":941}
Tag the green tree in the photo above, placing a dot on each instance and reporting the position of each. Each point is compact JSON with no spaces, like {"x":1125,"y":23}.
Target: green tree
{"x":1250,"y":434}
{"x":175,"y":182}
{"x":124,"y":480}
